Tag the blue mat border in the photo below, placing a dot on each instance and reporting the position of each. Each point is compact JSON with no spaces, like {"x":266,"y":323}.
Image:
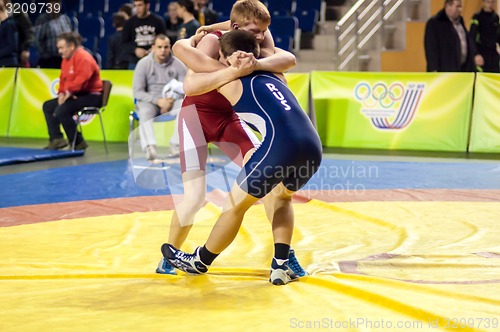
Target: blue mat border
{"x":115,"y":179}
{"x":10,"y":156}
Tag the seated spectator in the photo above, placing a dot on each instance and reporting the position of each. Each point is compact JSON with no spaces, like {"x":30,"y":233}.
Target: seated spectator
{"x":190,"y":24}
{"x":203,"y":14}
{"x":172,"y":22}
{"x":80,"y":85}
{"x":140,"y":30}
{"x":47,"y":27}
{"x":117,"y":57}
{"x":9,"y":39}
{"x":151,"y":75}
{"x":25,"y":34}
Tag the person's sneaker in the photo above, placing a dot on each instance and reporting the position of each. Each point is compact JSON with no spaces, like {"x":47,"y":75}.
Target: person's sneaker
{"x":151,"y":153}
{"x":173,"y":151}
{"x":165,"y":268}
{"x":280,"y":273}
{"x":189,"y":263}
{"x":57,"y":143}
{"x":81,"y":146}
{"x":294,"y":264}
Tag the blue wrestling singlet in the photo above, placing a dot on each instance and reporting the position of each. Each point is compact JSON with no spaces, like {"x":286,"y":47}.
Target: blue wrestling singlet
{"x":291,"y":149}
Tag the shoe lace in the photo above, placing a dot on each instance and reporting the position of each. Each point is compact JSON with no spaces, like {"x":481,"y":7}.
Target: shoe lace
{"x":184,"y":256}
{"x":294,"y":264}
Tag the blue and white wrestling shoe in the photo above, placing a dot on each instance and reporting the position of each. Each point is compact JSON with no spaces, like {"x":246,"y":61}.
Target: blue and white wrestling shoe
{"x":165,"y":268}
{"x":189,"y":263}
{"x":280,"y":273}
{"x":294,"y":264}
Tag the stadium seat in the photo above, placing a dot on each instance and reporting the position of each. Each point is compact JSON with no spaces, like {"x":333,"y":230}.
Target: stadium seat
{"x":112,"y":6}
{"x":280,"y":7}
{"x":308,"y":19}
{"x":74,"y":21}
{"x":69,"y":6}
{"x":92,"y":6}
{"x":286,"y":32}
{"x":308,"y":4}
{"x":34,"y":56}
{"x":222,"y":7}
{"x":161,"y":7}
{"x":91,"y":28}
{"x":319,"y":5}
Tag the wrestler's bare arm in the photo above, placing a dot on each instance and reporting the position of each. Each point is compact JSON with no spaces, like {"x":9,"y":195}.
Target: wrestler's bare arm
{"x":201,"y":59}
{"x":220,"y":26}
{"x":274,"y":59}
{"x":199,"y":83}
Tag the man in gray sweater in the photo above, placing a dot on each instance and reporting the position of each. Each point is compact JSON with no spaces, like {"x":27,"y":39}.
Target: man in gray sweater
{"x":152,"y":73}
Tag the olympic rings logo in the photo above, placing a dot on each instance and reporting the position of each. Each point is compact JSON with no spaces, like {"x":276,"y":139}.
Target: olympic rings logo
{"x":54,"y":87}
{"x":379,"y":94}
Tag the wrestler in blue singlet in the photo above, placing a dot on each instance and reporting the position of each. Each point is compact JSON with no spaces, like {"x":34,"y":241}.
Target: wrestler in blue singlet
{"x":291,"y":149}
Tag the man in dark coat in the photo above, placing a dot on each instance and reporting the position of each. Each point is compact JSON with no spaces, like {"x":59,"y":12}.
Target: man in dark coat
{"x":448,"y":45}
{"x":485,"y":32}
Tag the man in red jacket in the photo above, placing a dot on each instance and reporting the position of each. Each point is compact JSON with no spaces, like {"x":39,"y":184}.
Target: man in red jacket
{"x":80,"y":85}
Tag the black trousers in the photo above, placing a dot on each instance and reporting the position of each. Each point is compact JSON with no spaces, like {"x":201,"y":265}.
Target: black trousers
{"x":491,"y":60}
{"x":57,"y":115}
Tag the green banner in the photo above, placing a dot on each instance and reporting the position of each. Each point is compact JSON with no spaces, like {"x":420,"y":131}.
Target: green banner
{"x":35,"y":86}
{"x":299,"y":85}
{"x":485,"y":127}
{"x":396,"y":111}
{"x":8,"y":79}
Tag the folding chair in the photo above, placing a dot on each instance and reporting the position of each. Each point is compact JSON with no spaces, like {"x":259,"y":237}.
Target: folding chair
{"x":86,"y":111}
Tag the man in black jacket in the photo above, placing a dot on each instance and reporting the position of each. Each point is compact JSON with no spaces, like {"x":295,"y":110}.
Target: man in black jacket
{"x":448,"y":45}
{"x":485,"y":32}
{"x":26,"y":35}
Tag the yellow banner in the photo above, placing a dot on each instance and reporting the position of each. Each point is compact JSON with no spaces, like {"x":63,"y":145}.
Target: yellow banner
{"x":7,"y":77}
{"x":35,"y":86}
{"x":485,"y":127}
{"x":395,"y":111}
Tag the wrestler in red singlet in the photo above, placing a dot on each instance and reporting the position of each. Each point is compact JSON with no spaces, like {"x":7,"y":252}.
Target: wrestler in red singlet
{"x":209,"y":118}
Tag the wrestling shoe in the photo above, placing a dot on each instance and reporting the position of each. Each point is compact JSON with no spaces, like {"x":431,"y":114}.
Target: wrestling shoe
{"x":281,"y":274}
{"x":189,"y":263}
{"x":294,"y":264}
{"x":165,"y":268}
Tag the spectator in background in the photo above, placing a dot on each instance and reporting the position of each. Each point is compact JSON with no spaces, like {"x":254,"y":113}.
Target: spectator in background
{"x":151,"y":75}
{"x":80,"y":85}
{"x":117,"y":58}
{"x":48,"y":26}
{"x":485,"y":32}
{"x":127,"y":9}
{"x":25,"y":34}
{"x":8,"y":38}
{"x":190,"y":24}
{"x":448,"y":46}
{"x":140,"y":30}
{"x":172,"y":22}
{"x":203,"y":14}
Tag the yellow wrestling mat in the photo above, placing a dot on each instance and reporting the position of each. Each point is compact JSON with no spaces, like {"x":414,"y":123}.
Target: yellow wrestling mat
{"x":375,"y":266}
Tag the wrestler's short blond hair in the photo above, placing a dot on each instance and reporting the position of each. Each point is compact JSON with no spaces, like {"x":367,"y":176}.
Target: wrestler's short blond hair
{"x":245,"y":12}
